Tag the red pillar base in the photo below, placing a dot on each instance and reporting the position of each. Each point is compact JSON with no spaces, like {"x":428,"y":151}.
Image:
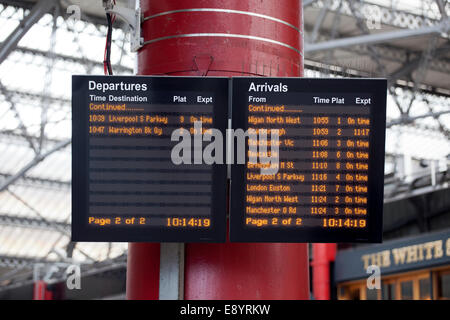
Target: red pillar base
{"x":246,"y":271}
{"x":143,"y":271}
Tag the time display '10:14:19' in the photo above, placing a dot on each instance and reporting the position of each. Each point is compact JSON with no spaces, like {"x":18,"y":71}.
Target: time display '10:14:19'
{"x":188,"y":222}
{"x":343,"y":223}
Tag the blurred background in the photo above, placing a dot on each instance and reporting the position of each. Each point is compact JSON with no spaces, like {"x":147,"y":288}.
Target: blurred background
{"x":42,"y":44}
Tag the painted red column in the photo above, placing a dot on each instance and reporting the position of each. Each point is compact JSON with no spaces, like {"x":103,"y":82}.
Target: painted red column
{"x":246,"y":271}
{"x":225,"y":38}
{"x":323,"y":254}
{"x":143,"y":271}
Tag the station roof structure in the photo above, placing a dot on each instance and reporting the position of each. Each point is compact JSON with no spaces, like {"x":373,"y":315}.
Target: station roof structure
{"x":406,"y":42}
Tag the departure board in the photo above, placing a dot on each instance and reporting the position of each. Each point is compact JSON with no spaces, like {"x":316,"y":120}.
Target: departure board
{"x":317,"y":166}
{"x":132,"y":180}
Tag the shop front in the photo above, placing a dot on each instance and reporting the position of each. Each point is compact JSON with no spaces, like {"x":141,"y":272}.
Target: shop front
{"x":413,"y":268}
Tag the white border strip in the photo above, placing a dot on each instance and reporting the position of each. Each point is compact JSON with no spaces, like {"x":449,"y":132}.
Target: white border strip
{"x":223,"y":35}
{"x":225,"y":11}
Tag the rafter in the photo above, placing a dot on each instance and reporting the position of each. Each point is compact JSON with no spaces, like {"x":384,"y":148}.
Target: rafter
{"x":40,"y":182}
{"x":33,"y":163}
{"x":36,"y":13}
{"x":373,"y":38}
{"x":34,"y":223}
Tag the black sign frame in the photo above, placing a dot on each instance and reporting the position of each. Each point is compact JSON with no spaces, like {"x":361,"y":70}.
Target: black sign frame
{"x":81,"y":231}
{"x":378,"y":88}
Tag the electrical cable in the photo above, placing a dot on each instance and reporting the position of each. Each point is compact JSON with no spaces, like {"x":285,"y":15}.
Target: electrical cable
{"x":107,"y":57}
{"x":107,"y":67}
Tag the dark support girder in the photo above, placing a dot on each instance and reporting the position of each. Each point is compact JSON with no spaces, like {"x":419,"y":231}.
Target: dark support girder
{"x":15,"y":261}
{"x":410,"y":66}
{"x":99,"y":21}
{"x":39,"y":158}
{"x":36,"y":13}
{"x":67,"y":58}
{"x":372,"y":38}
{"x":39,"y":182}
{"x":26,"y":222}
{"x":410,"y":119}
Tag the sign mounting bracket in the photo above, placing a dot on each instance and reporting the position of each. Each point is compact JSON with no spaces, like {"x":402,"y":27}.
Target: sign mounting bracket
{"x":133,"y":18}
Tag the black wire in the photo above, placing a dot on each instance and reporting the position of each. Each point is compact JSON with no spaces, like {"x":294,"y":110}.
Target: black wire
{"x":108,"y":44}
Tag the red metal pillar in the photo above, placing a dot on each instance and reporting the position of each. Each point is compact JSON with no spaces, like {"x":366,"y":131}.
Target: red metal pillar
{"x":323,"y":254}
{"x":225,"y":38}
{"x":247,"y":271}
{"x":143,"y":271}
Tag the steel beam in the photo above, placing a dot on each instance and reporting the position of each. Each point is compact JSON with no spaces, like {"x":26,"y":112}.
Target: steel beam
{"x":28,"y":264}
{"x":67,"y":58}
{"x":307,"y":2}
{"x":21,"y":139}
{"x":35,"y":96}
{"x":322,"y":14}
{"x":333,"y":33}
{"x":18,"y":3}
{"x":441,"y":5}
{"x":415,"y":192}
{"x":56,"y":226}
{"x":389,"y":15}
{"x":13,"y":108}
{"x":33,"y":163}
{"x":349,"y":72}
{"x":39,"y":182}
{"x":410,"y":66}
{"x":373,"y":38}
{"x":63,"y":57}
{"x":15,"y":262}
{"x":25,"y":222}
{"x":388,"y":53}
{"x":36,"y":13}
{"x":410,"y":119}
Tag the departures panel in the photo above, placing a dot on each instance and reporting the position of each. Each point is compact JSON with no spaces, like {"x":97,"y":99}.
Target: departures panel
{"x":325,"y":182}
{"x":126,"y":186}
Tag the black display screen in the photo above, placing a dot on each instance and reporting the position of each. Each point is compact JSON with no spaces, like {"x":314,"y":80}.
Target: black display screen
{"x":327,"y":167}
{"x":126,"y":186}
